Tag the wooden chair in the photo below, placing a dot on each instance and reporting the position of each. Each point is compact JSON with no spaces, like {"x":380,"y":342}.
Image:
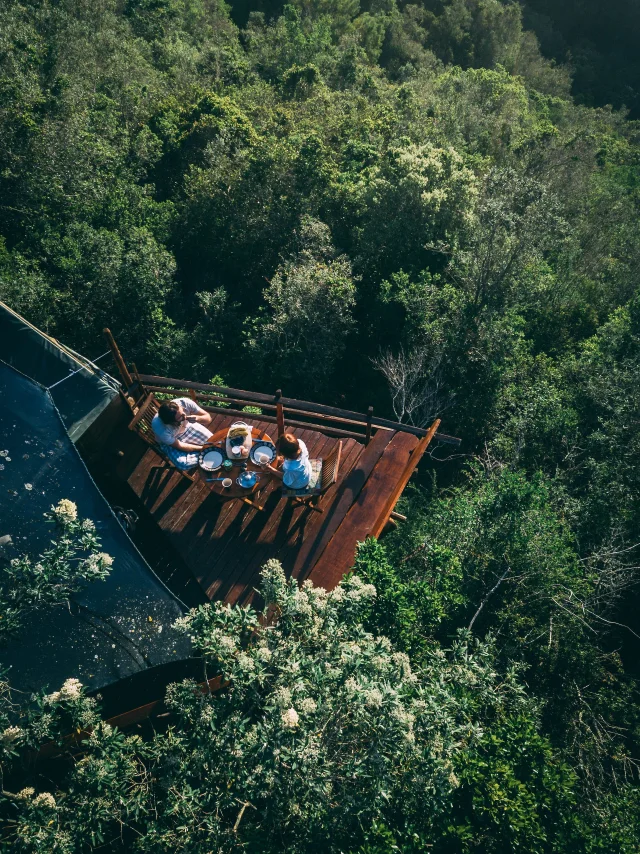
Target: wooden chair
{"x":141,"y":424}
{"x":324,"y":473}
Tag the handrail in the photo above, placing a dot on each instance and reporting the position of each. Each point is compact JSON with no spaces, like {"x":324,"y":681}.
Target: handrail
{"x":294,"y":405}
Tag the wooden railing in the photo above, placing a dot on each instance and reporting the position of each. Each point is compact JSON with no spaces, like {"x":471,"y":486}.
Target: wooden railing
{"x":329,"y":420}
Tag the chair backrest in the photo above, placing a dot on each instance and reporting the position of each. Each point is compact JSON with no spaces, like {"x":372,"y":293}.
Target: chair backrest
{"x":330,"y":466}
{"x":141,"y":421}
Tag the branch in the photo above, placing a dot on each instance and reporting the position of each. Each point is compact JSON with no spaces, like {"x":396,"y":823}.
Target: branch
{"x":493,"y":590}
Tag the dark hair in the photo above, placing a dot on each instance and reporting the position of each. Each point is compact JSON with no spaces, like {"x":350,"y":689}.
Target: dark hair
{"x":288,"y":446}
{"x":168,"y":411}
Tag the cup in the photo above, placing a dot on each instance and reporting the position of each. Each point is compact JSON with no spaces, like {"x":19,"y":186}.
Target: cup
{"x":236,"y":450}
{"x":262,"y":459}
{"x":226,"y":482}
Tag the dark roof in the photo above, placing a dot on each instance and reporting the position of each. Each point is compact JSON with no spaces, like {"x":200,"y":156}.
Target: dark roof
{"x":112,"y":629}
{"x":80,"y":389}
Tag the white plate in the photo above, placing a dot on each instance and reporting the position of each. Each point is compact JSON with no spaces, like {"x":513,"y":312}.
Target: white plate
{"x":263,"y":449}
{"x":211,"y":460}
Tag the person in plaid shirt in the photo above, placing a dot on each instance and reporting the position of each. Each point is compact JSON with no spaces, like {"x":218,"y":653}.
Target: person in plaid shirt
{"x":180,"y":430}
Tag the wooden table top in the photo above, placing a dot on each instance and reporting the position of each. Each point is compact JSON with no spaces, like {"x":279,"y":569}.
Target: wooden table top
{"x":218,"y":440}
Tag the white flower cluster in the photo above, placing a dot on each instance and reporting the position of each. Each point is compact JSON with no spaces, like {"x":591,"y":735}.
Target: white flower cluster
{"x":65,"y":511}
{"x":10,"y":735}
{"x":290,"y":719}
{"x":183,"y":624}
{"x":307,"y":706}
{"x":264,"y":654}
{"x":373,"y":698}
{"x":282,"y":697}
{"x":99,"y":562}
{"x":71,"y":690}
{"x":246,"y":662}
{"x":25,"y":794}
{"x":226,"y":644}
{"x":45,"y":800}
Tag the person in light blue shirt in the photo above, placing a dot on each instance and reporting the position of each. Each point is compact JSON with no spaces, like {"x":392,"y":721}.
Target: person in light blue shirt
{"x":296,"y":468}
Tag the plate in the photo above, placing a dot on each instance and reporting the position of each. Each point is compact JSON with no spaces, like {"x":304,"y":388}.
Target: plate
{"x":211,"y":460}
{"x":262,"y":449}
{"x":247,"y":479}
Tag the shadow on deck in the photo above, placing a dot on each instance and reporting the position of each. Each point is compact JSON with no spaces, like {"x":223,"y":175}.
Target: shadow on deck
{"x":224,"y":545}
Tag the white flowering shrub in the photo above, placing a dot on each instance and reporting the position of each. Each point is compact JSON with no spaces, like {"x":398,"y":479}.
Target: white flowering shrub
{"x":72,"y":561}
{"x":322,"y":729}
{"x":322,"y":737}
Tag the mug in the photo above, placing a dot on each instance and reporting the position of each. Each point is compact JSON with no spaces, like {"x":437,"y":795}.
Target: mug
{"x":226,"y":482}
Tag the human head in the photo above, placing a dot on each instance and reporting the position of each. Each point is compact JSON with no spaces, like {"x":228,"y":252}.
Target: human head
{"x":288,"y":446}
{"x":171,"y":412}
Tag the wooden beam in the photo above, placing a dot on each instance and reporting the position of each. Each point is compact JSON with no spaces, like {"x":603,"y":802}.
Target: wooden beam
{"x":287,"y":402}
{"x":411,"y":466}
{"x":447,"y":440}
{"x":279,"y":413}
{"x":302,"y":406}
{"x":117,"y":355}
{"x":367,"y":437}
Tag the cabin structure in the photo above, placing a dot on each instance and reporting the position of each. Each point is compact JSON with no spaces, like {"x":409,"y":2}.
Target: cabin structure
{"x":215,"y":549}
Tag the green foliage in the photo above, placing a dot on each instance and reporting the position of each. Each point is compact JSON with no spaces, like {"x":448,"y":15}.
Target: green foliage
{"x":309,"y":301}
{"x":323,"y":737}
{"x":387,"y":204}
{"x":73,"y":561}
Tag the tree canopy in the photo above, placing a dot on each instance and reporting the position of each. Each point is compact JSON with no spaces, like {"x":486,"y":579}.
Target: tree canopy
{"x":431,"y":208}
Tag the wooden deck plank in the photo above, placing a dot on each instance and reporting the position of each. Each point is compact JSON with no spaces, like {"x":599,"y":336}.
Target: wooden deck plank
{"x":414,"y":459}
{"x":345,"y":496}
{"x":339,"y":554}
{"x":298,"y":520}
{"x":245,"y":571}
{"x":307,"y":521}
{"x":225,"y":544}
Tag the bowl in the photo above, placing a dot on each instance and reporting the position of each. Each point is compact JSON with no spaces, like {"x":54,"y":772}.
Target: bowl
{"x":247,"y":479}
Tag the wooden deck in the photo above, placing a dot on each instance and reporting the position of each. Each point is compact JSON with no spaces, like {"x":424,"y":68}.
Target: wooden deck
{"x":225,"y":544}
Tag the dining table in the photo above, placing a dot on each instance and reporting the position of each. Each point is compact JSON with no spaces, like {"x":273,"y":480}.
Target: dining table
{"x":236,"y":492}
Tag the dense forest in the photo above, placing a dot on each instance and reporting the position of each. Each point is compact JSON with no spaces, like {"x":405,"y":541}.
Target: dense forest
{"x":431,"y":208}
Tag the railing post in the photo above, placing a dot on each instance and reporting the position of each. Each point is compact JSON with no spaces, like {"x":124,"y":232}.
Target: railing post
{"x":117,"y":355}
{"x":367,"y":437}
{"x":279,"y":413}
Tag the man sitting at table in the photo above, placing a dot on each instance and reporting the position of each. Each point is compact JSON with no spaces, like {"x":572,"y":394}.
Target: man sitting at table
{"x":296,"y":468}
{"x":180,"y":431}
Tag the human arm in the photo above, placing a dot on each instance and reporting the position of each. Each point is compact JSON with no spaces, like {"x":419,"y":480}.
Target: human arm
{"x":276,"y":469}
{"x":194,"y":413}
{"x":185,"y":446}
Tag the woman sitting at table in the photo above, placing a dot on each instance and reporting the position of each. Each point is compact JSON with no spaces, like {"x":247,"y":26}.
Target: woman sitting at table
{"x":296,"y":468}
{"x":180,"y":431}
